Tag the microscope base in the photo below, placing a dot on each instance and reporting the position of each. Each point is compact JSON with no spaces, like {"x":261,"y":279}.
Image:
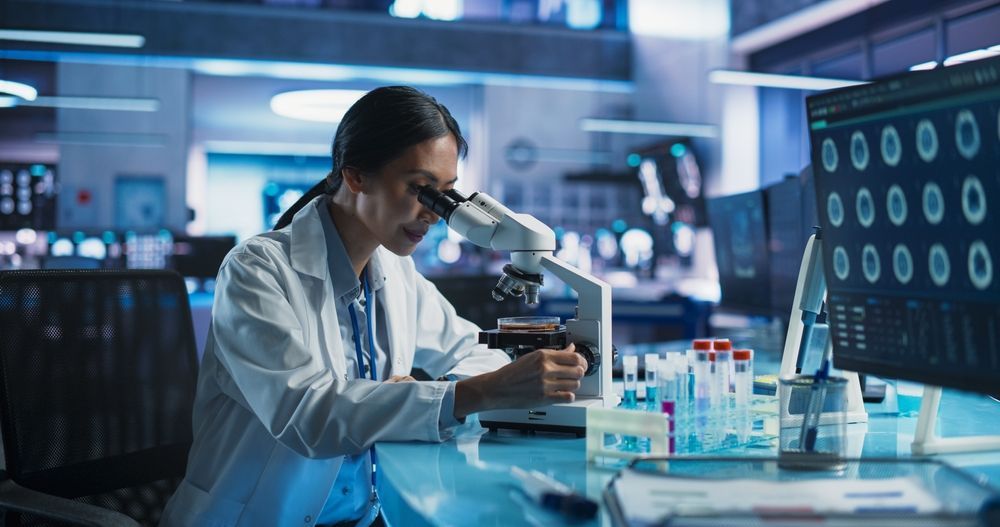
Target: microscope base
{"x":569,"y":418}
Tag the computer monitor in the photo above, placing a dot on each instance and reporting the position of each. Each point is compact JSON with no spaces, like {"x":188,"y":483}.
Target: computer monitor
{"x":200,"y":256}
{"x":906,"y":173}
{"x":791,"y":215}
{"x":739,"y":232}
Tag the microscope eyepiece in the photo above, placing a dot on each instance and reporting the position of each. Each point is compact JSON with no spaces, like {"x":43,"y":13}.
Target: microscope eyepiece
{"x":442,"y":204}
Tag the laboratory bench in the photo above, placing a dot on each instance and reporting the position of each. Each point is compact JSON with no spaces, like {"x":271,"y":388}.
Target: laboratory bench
{"x":467,"y":481}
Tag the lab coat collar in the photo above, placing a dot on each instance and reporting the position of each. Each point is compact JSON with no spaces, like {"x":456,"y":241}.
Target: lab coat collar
{"x":308,"y":247}
{"x":341,"y":269}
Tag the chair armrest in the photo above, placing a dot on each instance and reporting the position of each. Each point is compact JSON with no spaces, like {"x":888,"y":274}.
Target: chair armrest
{"x":14,"y":497}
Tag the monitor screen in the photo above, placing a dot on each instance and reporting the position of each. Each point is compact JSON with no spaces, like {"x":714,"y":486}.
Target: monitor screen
{"x":906,"y":175}
{"x":200,"y":256}
{"x":739,"y":231}
{"x":791,"y":215}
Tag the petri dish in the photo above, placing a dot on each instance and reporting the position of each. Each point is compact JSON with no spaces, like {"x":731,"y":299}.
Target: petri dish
{"x":528,"y":323}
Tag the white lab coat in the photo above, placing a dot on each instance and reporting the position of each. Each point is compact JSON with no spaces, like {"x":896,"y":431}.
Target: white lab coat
{"x":276,"y":407}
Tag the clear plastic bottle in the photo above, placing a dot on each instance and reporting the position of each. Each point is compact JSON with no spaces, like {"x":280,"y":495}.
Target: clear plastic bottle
{"x":743,"y":378}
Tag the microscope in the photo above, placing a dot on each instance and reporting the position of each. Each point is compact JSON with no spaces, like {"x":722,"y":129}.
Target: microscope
{"x":487,"y":223}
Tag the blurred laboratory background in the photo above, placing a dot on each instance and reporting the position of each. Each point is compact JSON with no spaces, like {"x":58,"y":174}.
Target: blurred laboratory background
{"x":665,"y":141}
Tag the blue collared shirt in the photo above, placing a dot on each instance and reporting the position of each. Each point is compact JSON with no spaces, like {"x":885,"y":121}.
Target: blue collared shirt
{"x":350,"y":497}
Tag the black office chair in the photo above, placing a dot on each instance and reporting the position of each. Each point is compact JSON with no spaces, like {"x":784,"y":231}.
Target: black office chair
{"x":97,"y":381}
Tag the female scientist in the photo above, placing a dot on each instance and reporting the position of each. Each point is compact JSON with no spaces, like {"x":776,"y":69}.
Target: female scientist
{"x":317,"y":324}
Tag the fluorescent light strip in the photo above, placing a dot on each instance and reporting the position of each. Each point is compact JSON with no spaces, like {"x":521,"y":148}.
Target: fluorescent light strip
{"x":72,"y":37}
{"x":101,"y":138}
{"x":18,"y":89}
{"x":924,"y":66}
{"x":970,"y":56}
{"x":330,"y":72}
{"x":649,"y":128}
{"x":266,"y":148}
{"x":770,"y":80}
{"x":123,"y":104}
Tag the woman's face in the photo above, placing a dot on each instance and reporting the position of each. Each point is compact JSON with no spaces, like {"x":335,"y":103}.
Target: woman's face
{"x":388,"y":203}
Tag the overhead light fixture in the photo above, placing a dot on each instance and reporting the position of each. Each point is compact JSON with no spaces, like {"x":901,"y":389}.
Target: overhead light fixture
{"x":970,"y":56}
{"x":102,"y":138}
{"x":620,"y":126}
{"x":262,"y":148}
{"x":114,"y":40}
{"x":679,"y":19}
{"x":17,"y":92}
{"x":770,"y":80}
{"x":324,"y":106}
{"x":123,"y":104}
{"x":929,"y":65}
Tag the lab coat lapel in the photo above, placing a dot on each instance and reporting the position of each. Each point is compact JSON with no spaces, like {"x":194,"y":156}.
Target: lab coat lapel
{"x":394,"y":306}
{"x":308,"y":257}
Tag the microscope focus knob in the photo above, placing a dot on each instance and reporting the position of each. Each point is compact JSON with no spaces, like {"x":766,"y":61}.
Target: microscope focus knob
{"x":591,"y":354}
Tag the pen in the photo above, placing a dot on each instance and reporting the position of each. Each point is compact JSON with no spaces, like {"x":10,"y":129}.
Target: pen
{"x":553,"y":495}
{"x":814,"y":409}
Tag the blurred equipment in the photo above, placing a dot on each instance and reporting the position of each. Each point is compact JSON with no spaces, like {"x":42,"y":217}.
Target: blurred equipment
{"x":487,"y":223}
{"x":27,"y":196}
{"x":671,"y":183}
{"x":200,"y":256}
{"x":739,"y":231}
{"x":791,"y":214}
{"x":905,"y":177}
{"x":148,"y":250}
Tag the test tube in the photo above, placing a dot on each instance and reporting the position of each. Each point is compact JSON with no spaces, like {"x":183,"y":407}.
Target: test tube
{"x":630,"y":364}
{"x":698,"y":344}
{"x":668,"y":404}
{"x":723,"y":365}
{"x":653,"y":393}
{"x":724,"y":356}
{"x":743,"y":366}
{"x":702,"y":394}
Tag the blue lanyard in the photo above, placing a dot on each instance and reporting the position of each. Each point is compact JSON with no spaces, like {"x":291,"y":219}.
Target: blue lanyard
{"x":357,"y":331}
{"x":371,"y":345}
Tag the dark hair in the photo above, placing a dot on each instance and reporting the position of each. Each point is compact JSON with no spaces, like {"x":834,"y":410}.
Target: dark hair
{"x":377,"y":129}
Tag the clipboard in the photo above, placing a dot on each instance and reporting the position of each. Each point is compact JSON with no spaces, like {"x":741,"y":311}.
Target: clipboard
{"x":879,"y":492}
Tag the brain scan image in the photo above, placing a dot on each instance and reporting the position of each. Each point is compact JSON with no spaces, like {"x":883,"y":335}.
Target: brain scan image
{"x":927,"y":141}
{"x":892,"y":150}
{"x":866,"y":207}
{"x":859,"y":151}
{"x":939,"y":265}
{"x":967,"y":134}
{"x":902,"y":264}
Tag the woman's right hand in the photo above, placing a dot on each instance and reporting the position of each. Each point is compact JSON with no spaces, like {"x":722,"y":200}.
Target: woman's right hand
{"x":539,"y":378}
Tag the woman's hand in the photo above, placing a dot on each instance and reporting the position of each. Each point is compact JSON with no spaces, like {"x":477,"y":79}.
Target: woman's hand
{"x":401,"y":378}
{"x":538,"y":378}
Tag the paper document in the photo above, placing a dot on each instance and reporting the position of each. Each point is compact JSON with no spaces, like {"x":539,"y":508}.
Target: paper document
{"x":649,"y":498}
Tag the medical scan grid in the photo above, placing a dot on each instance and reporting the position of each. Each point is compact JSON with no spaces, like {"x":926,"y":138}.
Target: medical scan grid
{"x":907,"y":175}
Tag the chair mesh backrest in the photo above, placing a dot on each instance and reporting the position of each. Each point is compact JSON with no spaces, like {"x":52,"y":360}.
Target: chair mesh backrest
{"x":97,"y":381}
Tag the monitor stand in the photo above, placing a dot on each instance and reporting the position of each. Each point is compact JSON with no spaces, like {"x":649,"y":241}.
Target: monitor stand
{"x":810,"y":291}
{"x":926,"y":441}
